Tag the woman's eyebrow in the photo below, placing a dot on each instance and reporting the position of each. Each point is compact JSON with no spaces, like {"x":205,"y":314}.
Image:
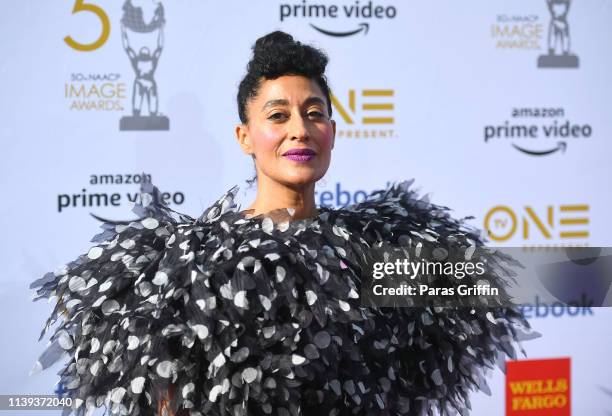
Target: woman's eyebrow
{"x":283,"y":102}
{"x":314,"y":100}
{"x":272,"y":103}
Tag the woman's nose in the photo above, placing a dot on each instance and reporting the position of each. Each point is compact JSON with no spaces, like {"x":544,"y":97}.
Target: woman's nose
{"x":298,"y":128}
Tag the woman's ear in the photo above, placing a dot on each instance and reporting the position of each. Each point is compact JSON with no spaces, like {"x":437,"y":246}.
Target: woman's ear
{"x":333,"y":123}
{"x":242,"y":135}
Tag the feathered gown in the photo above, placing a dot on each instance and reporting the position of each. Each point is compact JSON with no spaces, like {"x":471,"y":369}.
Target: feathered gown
{"x":246,"y":316}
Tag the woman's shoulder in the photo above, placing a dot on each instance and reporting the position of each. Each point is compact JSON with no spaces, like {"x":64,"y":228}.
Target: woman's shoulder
{"x":401,"y":211}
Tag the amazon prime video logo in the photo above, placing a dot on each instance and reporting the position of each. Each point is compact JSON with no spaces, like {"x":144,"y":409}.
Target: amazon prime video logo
{"x":538,"y":131}
{"x":338,"y":20}
{"x":142,"y":37}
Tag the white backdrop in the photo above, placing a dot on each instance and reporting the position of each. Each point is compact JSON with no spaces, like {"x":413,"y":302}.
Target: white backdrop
{"x":451,"y":76}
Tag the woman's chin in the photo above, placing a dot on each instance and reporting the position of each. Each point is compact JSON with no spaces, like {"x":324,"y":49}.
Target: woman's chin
{"x":301,"y":180}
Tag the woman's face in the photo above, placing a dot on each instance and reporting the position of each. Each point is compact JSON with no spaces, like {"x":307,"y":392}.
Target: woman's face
{"x":289,"y":131}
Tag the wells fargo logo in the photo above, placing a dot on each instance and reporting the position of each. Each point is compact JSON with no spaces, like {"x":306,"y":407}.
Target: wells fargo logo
{"x":538,"y":387}
{"x":366,"y":113}
{"x":567,"y":223}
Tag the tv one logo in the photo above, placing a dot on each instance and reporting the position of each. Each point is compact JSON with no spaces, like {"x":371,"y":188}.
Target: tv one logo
{"x":365,"y":113}
{"x":538,"y":387}
{"x":568,"y":222}
{"x":369,"y":104}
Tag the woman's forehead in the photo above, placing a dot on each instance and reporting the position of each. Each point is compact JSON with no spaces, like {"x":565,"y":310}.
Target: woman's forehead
{"x":288,"y":87}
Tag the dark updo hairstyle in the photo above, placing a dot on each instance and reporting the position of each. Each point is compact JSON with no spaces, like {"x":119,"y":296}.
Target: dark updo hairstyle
{"x":277,"y":54}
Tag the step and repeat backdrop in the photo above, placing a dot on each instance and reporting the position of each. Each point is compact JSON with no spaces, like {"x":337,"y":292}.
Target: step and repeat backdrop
{"x":498,"y":109}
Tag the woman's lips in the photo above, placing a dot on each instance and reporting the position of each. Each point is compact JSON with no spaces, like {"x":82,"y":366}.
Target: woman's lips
{"x":300,"y":158}
{"x":300,"y":155}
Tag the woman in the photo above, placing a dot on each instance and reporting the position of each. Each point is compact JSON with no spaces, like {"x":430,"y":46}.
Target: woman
{"x":258,"y":312}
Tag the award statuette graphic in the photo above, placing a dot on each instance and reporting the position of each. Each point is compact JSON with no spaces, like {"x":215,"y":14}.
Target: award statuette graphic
{"x":142,"y":30}
{"x":559,"y":54}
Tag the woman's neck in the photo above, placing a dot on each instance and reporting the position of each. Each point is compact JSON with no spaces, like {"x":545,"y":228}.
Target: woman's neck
{"x":272,"y":196}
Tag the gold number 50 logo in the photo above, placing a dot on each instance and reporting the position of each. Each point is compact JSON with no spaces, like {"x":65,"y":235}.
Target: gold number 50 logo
{"x":81,"y":6}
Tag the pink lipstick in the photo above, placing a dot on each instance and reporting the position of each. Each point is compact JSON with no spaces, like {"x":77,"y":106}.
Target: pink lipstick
{"x":300,"y":155}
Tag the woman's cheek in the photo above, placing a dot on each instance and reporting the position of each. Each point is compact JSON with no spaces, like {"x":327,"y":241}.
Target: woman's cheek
{"x":326,"y":137}
{"x":267,"y":140}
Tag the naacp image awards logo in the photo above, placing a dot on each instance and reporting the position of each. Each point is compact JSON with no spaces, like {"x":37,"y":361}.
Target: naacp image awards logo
{"x":559,"y":41}
{"x":142,"y":37}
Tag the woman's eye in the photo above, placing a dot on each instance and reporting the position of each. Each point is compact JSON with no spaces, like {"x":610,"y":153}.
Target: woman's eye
{"x":276,"y":116}
{"x":315,"y":114}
